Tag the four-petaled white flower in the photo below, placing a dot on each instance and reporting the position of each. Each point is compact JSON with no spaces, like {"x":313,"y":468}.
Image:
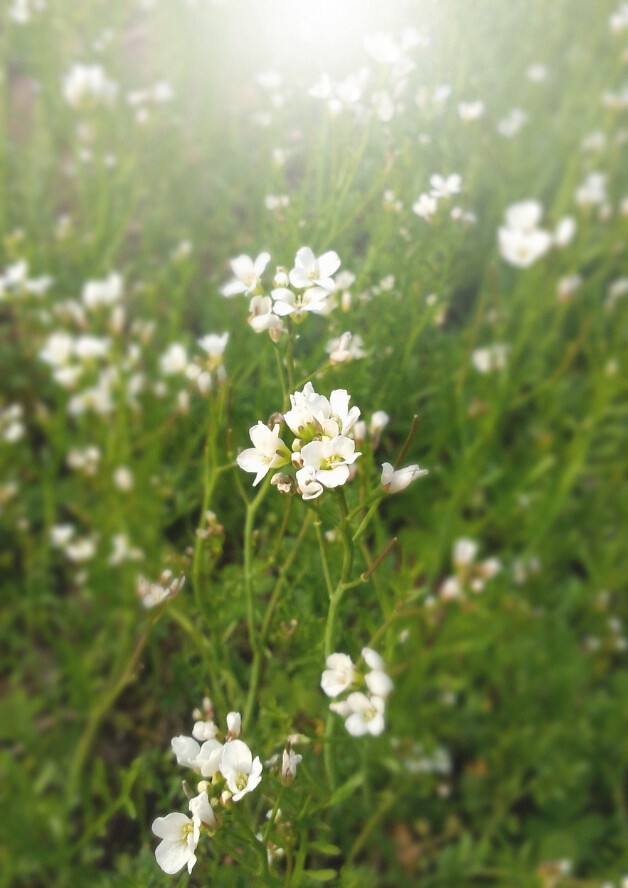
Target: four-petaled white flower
{"x":309,"y":271}
{"x":247,"y":274}
{"x":179,"y":837}
{"x":330,"y":459}
{"x":268,"y":452}
{"x":241,"y":771}
{"x":366,"y":714}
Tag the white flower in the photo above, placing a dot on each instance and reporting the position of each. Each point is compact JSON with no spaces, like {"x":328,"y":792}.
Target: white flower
{"x":308,"y":486}
{"x":202,"y":811}
{"x":214,"y":344}
{"x":123,"y":478}
{"x":209,"y":758}
{"x":367,"y":715}
{"x":268,"y":452}
{"x":445,"y":186}
{"x":104,"y":292}
{"x":492,"y":357}
{"x":339,"y":675}
{"x":204,"y":730}
{"x":425,"y":206}
{"x":179,"y":837}
{"x":379,"y":421}
{"x":379,"y":683}
{"x":314,"y":299}
{"x":263,"y":318}
{"x":309,"y":271}
{"x":174,"y":360}
{"x":522,"y":248}
{"x":524,"y":216}
{"x":247,"y":274}
{"x":394,"y":481}
{"x":289,"y":763}
{"x":331,"y":459}
{"x":348,"y":347}
{"x":565,"y":231}
{"x":186,"y":750}
{"x":464,"y":552}
{"x":58,"y":349}
{"x":88,"y":85}
{"x":241,"y":771}
{"x":471,"y":110}
{"x":234,"y":725}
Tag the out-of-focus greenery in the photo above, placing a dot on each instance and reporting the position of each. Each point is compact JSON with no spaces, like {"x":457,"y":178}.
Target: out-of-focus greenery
{"x":522,"y":688}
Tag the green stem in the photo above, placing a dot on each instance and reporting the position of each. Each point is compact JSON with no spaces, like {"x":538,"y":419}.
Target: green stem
{"x":254,"y":638}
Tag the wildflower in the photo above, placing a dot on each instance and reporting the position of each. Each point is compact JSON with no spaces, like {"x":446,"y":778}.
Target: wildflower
{"x":179,"y":837}
{"x":445,"y":186}
{"x":106,"y":292}
{"x":493,"y":357}
{"x":247,"y":274}
{"x":348,"y":347}
{"x":339,"y":675}
{"x":307,"y":485}
{"x":394,"y":481}
{"x":174,"y":360}
{"x":88,"y":85}
{"x":510,"y":125}
{"x":241,"y":771}
{"x":289,"y":763}
{"x":309,"y":271}
{"x":234,"y":725}
{"x":366,"y":715}
{"x":268,"y":452}
{"x":330,"y":460}
{"x":209,"y":758}
{"x":123,"y":478}
{"x":202,"y":811}
{"x":378,"y":682}
{"x":204,"y":730}
{"x":471,"y":110}
{"x":153,"y":594}
{"x":425,"y":206}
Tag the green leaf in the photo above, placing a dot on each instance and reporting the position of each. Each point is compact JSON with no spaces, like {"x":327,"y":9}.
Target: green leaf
{"x":343,"y":792}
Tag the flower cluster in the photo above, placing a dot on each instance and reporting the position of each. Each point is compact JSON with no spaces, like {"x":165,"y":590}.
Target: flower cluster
{"x":322,"y":451}
{"x":469,"y":574}
{"x":363,"y":712}
{"x":229,"y":772}
{"x":306,"y":288}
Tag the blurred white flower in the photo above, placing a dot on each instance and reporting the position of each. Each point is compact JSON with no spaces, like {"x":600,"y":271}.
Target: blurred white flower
{"x":366,"y":714}
{"x":471,"y":110}
{"x":339,"y":675}
{"x":86,"y":85}
{"x":247,"y":274}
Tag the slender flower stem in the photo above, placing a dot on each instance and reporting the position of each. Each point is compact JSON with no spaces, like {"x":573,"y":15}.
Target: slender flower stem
{"x":407,"y":442}
{"x":254,"y":638}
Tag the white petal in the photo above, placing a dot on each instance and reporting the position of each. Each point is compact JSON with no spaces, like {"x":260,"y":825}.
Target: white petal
{"x":170,"y":827}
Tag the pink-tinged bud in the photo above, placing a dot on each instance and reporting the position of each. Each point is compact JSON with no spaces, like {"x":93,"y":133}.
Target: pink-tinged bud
{"x":234,"y":725}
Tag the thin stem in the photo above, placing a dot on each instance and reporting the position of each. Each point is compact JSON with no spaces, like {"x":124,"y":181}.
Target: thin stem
{"x":254,"y":639}
{"x":411,"y":433}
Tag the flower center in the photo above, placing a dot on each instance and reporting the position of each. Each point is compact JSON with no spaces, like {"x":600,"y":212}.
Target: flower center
{"x":241,"y":781}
